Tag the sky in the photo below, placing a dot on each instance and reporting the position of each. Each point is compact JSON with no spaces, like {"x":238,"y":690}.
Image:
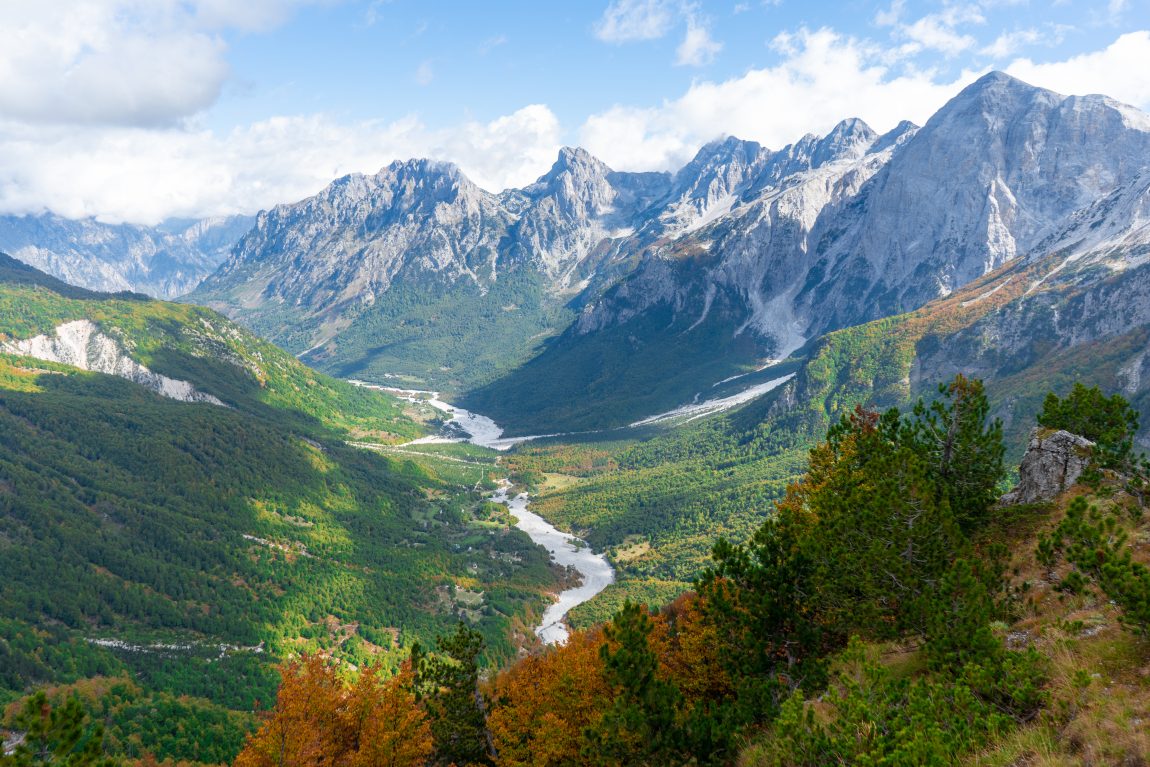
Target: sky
{"x":145,"y":110}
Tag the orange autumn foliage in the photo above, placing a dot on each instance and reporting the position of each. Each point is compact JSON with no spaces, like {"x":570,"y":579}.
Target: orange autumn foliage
{"x":543,"y":705}
{"x":319,"y":721}
{"x":688,"y":647}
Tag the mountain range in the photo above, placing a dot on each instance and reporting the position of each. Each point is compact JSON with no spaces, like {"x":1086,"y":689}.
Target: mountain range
{"x":182,"y":503}
{"x":593,"y":297}
{"x":163,"y":261}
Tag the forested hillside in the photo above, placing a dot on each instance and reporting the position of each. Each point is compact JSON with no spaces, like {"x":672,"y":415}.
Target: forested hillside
{"x":891,"y":611}
{"x":164,"y":555}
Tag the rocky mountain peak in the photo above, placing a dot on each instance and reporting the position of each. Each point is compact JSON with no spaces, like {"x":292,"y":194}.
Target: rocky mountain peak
{"x":724,"y":153}
{"x":848,"y":140}
{"x":896,"y":136}
{"x":577,"y":160}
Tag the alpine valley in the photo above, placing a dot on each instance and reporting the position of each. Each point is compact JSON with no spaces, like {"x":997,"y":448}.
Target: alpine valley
{"x":593,"y":298}
{"x":709,"y":376}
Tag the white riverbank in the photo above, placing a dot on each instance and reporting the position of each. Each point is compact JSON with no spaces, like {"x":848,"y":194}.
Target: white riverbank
{"x":567,"y":550}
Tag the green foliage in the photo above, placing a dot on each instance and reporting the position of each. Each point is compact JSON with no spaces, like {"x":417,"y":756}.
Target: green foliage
{"x":881,"y":531}
{"x":963,"y":448}
{"x":872,"y":522}
{"x":639,"y":725}
{"x":1109,"y":422}
{"x":58,"y":735}
{"x":437,"y":335}
{"x":615,"y":376}
{"x":876,"y":718}
{"x":958,"y":617}
{"x":1097,"y":545}
{"x":447,"y":683}
{"x":188,"y":546}
{"x":865,"y":544}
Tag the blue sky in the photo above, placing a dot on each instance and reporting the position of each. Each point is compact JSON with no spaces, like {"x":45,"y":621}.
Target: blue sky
{"x":456,"y":60}
{"x":142,"y":109}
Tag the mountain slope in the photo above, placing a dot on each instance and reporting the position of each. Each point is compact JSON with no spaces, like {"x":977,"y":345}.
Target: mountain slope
{"x":417,"y":271}
{"x":1076,"y":310}
{"x":882,"y":226}
{"x":188,"y":544}
{"x":594,"y":298}
{"x":164,"y":261}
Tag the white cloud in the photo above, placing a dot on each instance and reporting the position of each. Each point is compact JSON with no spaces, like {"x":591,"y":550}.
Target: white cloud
{"x":891,"y":16}
{"x":111,"y":161}
{"x":424,"y":74}
{"x":825,"y":77}
{"x":934,"y":34}
{"x":697,"y":48}
{"x":120,"y":62}
{"x":934,"y":31}
{"x":1119,"y":70}
{"x":251,"y":15}
{"x":144,"y":176}
{"x":1009,"y":43}
{"x":491,"y":44}
{"x":627,"y":20}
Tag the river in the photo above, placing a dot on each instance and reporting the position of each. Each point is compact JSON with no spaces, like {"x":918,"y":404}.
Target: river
{"x":595,"y":571}
{"x":567,"y":550}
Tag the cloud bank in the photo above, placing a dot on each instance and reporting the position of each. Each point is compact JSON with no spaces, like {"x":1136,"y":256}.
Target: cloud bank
{"x":101,"y":106}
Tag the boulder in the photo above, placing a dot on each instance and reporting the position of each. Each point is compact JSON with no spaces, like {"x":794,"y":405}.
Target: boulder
{"x":1053,"y":462}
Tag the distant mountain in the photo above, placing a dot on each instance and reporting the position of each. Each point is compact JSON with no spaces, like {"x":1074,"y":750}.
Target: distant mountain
{"x":884,"y":225}
{"x":592,"y":297}
{"x":164,"y":261}
{"x":416,"y":270}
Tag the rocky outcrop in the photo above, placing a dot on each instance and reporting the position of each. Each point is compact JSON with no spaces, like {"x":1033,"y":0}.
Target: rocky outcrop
{"x":1053,"y":462}
{"x":82,"y":345}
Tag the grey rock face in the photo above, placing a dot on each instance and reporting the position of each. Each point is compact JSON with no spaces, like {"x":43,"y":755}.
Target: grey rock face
{"x":345,"y":246}
{"x":81,"y":344}
{"x":165,"y":261}
{"x":987,"y":177}
{"x":1053,"y":462}
{"x":853,"y":227}
{"x":773,"y":247}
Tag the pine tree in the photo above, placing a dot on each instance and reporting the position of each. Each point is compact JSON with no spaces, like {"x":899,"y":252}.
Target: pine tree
{"x":57,"y":735}
{"x":639,"y":727}
{"x":962,"y":449}
{"x":447,"y":683}
{"x":1109,"y":422}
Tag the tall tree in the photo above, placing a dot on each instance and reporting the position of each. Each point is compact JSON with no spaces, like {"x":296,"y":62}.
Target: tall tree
{"x":392,"y":731}
{"x":1109,"y":422}
{"x":544,"y":705}
{"x":962,"y":448}
{"x":447,"y":683}
{"x":640,"y":724}
{"x":56,"y":735}
{"x":319,"y":721}
{"x":308,"y":726}
{"x":883,"y":532}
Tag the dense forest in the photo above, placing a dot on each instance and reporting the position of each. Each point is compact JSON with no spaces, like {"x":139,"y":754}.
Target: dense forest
{"x":806,"y":581}
{"x":159,"y":558}
{"x":890,"y":611}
